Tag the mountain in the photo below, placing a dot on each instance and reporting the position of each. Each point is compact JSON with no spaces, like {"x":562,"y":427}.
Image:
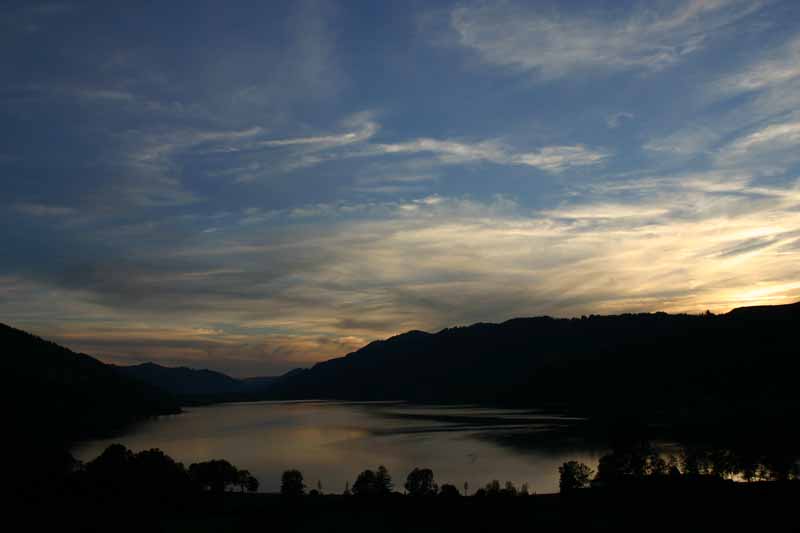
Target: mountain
{"x":681,"y":367}
{"x":182,"y":381}
{"x":199,"y":386}
{"x":62,"y":395}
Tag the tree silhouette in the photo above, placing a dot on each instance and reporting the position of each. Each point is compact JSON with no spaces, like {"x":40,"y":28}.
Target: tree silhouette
{"x":373,"y":483}
{"x":449,"y":491}
{"x":292,"y":483}
{"x":573,"y":475}
{"x":420,"y":482}
{"x":246,"y":481}
{"x":383,"y":480}
{"x":366,"y":484}
{"x":215,"y":475}
{"x":509,"y":489}
{"x":635,"y":459}
{"x":111,"y":470}
{"x":492,"y":488}
{"x":157,"y":473}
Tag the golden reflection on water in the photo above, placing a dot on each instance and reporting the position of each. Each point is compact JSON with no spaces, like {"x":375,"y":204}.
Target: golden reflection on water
{"x":333,"y":441}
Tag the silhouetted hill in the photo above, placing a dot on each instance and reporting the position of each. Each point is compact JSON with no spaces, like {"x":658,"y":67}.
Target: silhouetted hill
{"x":198,"y":386}
{"x":183,"y":381}
{"x":59,"y":395}
{"x":262,"y":384}
{"x":684,"y":368}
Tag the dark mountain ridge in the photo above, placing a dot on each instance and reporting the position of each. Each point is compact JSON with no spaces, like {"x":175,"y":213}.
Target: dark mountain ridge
{"x":672,"y":367}
{"x":200,"y":386}
{"x":64,"y":395}
{"x":182,"y":380}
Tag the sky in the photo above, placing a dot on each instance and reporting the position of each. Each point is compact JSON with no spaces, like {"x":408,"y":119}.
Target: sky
{"x":254,"y":186}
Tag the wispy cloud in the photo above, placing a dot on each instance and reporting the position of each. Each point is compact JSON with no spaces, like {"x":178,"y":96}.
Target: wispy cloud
{"x":774,"y":67}
{"x":151,"y":176}
{"x":771,"y":148}
{"x":615,"y":120}
{"x":303,"y":278}
{"x":552,"y":44}
{"x":363,"y":128}
{"x":548,"y":158}
{"x":690,"y":140}
{"x":42,"y":210}
{"x":356,"y":141}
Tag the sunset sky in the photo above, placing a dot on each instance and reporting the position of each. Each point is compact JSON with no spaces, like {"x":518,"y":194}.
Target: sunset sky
{"x":253,"y":186}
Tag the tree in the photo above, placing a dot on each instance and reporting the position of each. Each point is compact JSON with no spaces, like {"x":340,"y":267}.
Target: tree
{"x":111,"y":470}
{"x":373,"y":483}
{"x":420,"y":482}
{"x":492,"y":488}
{"x":449,"y":491}
{"x":292,"y":483}
{"x":157,"y":474}
{"x":247,"y":482}
{"x":636,"y":459}
{"x":215,"y":475}
{"x":509,"y":489}
{"x":366,"y":484}
{"x":251,"y":484}
{"x":573,"y":475}
{"x":384,"y":481}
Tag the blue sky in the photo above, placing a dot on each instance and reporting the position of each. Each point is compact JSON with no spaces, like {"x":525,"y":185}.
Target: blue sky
{"x":254,"y":186}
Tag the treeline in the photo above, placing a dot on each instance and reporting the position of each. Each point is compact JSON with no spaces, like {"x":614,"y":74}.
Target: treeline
{"x":639,"y":461}
{"x":628,"y":463}
{"x":634,"y":488}
{"x":118,"y":470}
{"x":118,"y":474}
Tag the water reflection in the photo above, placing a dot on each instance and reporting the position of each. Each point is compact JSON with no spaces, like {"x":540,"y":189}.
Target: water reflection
{"x":334,"y":441}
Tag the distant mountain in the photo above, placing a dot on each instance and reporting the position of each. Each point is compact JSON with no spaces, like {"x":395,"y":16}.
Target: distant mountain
{"x":194,"y":386}
{"x":61,"y":395}
{"x":656,"y":365}
{"x":182,"y":381}
{"x":264,"y":383}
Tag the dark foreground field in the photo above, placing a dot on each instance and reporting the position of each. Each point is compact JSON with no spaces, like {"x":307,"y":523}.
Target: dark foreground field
{"x":685,"y":506}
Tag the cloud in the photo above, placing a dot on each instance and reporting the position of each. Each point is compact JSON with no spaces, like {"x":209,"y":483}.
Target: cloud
{"x":775,"y":67}
{"x":316,"y":281}
{"x":152,"y":176}
{"x":356,"y":142}
{"x":365,"y":129}
{"x":760,"y":130}
{"x":615,"y":120}
{"x":42,"y":210}
{"x":687,"y":141}
{"x":769,"y":89}
{"x":239,"y":353}
{"x":770,"y":149}
{"x":548,"y":158}
{"x":551,"y":44}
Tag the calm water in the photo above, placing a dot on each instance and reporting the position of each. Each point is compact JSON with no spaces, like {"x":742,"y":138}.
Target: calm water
{"x":334,"y":441}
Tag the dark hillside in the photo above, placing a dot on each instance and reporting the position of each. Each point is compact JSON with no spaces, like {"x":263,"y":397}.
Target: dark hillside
{"x":675,"y":368}
{"x":64,"y":395}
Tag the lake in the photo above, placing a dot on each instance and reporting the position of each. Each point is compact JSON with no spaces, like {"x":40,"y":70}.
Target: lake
{"x":331,"y":442}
